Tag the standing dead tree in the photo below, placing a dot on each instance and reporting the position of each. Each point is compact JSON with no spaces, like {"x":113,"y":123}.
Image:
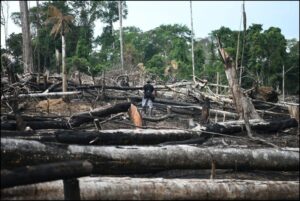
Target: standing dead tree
{"x":244,"y":106}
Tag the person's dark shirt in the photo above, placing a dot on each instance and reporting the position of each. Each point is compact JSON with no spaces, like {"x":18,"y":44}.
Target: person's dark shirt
{"x":148,"y":90}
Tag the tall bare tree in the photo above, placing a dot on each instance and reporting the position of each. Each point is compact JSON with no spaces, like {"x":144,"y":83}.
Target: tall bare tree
{"x":27,"y":48}
{"x":121,"y":34}
{"x":38,"y":25}
{"x":4,"y":20}
{"x":61,"y":24}
{"x":192,"y":41}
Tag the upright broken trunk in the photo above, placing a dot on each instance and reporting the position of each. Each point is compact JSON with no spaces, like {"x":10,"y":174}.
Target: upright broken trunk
{"x":243,"y":105}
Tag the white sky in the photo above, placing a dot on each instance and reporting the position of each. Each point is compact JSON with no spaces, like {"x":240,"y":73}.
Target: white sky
{"x":207,"y":15}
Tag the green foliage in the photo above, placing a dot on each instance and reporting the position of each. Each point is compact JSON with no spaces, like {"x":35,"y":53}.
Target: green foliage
{"x":156,"y":64}
{"x":80,"y":64}
{"x":265,"y":51}
{"x":82,"y":49}
{"x":14,"y":44}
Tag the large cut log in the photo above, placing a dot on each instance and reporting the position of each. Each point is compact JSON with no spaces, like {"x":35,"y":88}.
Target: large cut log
{"x":45,"y":172}
{"x":125,"y":188}
{"x":80,"y":118}
{"x":143,"y":159}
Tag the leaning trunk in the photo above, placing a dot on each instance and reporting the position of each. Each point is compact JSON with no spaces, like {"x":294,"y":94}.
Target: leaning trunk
{"x":244,"y":106}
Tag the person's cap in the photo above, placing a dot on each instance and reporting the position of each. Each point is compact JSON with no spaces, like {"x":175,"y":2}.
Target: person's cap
{"x":148,"y":81}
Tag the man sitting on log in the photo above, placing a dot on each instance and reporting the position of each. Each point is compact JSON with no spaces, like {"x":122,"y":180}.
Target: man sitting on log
{"x":148,"y":97}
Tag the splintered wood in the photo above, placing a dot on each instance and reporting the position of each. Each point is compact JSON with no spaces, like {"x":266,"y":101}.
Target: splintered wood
{"x":135,"y":116}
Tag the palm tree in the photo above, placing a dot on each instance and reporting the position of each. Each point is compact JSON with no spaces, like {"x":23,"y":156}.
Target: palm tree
{"x":61,"y":24}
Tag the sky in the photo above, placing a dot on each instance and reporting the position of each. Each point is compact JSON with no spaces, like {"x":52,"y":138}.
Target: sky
{"x":207,"y":15}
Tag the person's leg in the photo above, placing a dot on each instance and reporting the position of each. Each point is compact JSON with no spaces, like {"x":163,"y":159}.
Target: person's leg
{"x":150,"y":104}
{"x":145,"y":101}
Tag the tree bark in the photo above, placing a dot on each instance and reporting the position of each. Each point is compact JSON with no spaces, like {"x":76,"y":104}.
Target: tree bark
{"x":27,"y":48}
{"x":125,"y":188}
{"x":46,"y":172}
{"x":149,"y":159}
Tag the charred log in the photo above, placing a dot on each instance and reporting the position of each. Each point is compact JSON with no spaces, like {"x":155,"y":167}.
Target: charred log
{"x":37,"y":125}
{"x":46,"y":172}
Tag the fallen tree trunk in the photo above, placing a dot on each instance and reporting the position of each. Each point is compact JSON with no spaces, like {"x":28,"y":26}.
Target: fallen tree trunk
{"x":36,"y":125}
{"x":256,"y":124}
{"x":139,"y":159}
{"x":42,"y":95}
{"x":125,"y":188}
{"x":43,"y":136}
{"x":124,"y":136}
{"x":45,"y":172}
{"x":147,"y":136}
{"x":80,"y":118}
{"x":157,"y":87}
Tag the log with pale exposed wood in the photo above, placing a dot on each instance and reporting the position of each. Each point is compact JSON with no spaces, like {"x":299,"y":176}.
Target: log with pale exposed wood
{"x":35,"y":95}
{"x":84,"y":117}
{"x":125,"y":188}
{"x":45,"y":172}
{"x":143,"y":159}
